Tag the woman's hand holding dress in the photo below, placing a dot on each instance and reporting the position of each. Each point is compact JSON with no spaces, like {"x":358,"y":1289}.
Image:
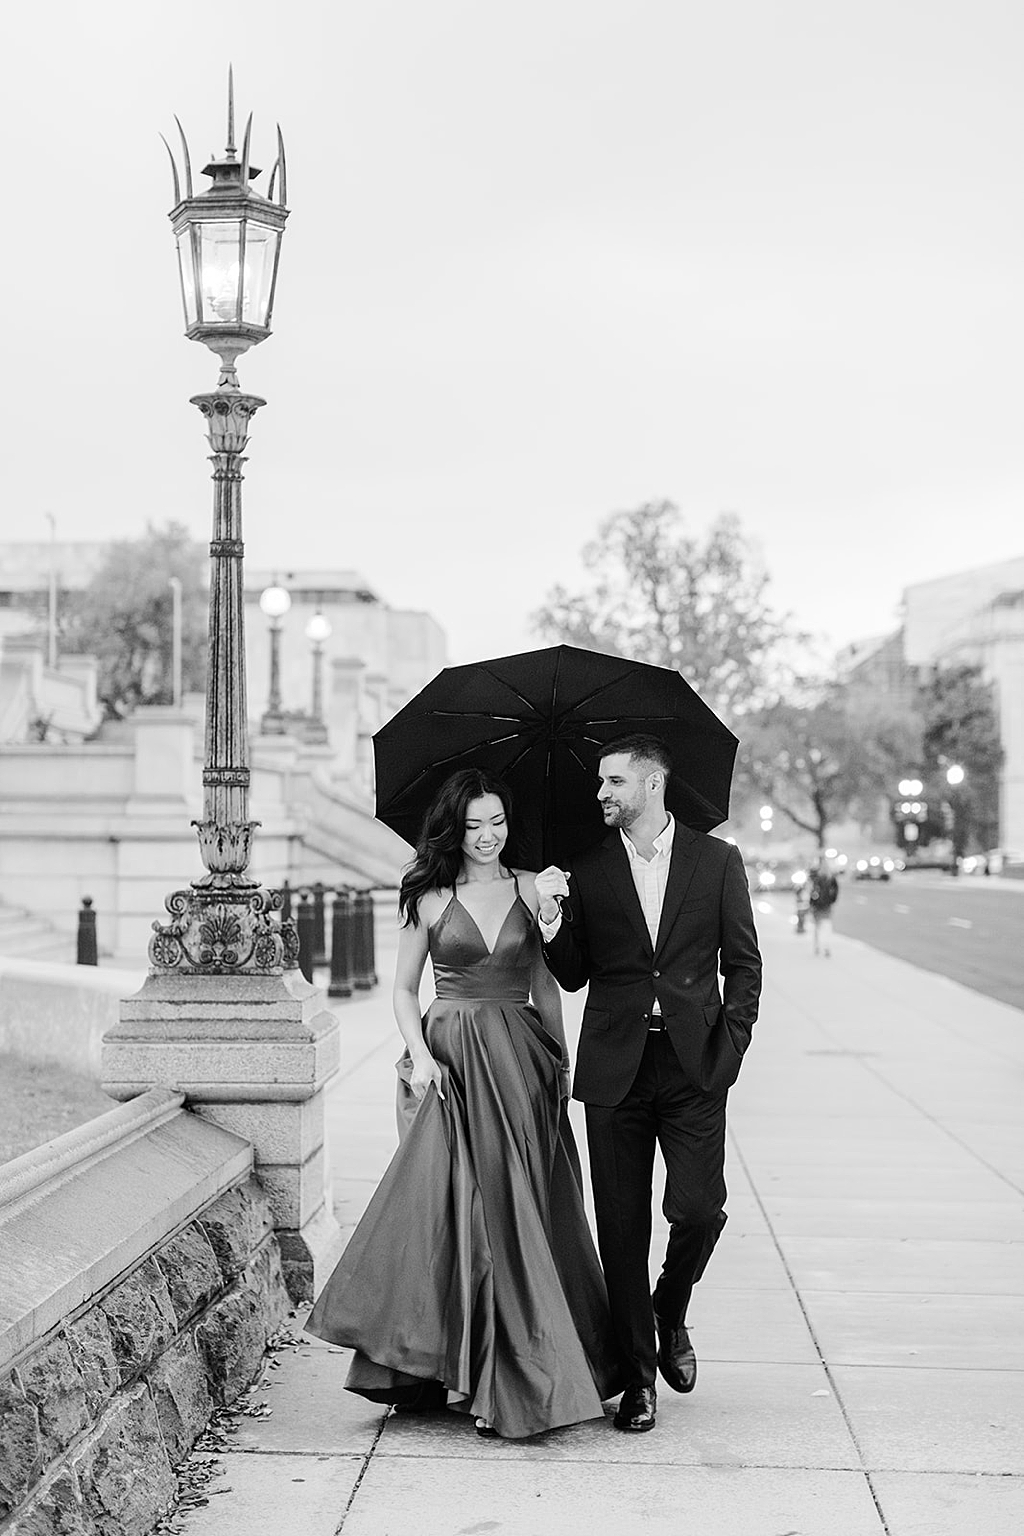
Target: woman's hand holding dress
{"x":425,"y":1071}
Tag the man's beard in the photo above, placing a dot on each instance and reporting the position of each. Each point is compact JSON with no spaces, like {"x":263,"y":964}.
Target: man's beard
{"x":622,"y":816}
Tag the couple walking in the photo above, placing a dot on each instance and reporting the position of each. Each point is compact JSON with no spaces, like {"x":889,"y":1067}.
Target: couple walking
{"x":471,"y":1280}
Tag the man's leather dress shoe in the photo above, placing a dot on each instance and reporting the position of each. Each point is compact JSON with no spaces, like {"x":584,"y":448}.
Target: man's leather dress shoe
{"x":676,"y":1359}
{"x":637,"y":1408}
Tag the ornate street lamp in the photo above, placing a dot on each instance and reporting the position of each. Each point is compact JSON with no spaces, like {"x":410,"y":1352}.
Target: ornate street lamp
{"x":229,"y":243}
{"x":317,"y":631}
{"x":275,"y":602}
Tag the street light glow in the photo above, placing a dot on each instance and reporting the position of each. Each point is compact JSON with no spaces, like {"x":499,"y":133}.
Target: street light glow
{"x":275,"y":601}
{"x":955,"y":774}
{"x":318,"y":629}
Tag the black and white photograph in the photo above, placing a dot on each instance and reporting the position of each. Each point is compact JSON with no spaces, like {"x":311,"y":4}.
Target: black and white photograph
{"x":512,"y":768}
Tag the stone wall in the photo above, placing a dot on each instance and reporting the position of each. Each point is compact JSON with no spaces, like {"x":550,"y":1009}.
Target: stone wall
{"x":95,"y":1415}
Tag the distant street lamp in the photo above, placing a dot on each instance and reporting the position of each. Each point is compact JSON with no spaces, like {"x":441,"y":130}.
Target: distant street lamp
{"x":275,"y":602}
{"x":317,"y":631}
{"x":229,"y":243}
{"x":174,"y":582}
{"x":955,"y":776}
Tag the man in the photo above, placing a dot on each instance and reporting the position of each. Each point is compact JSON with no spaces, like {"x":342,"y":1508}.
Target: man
{"x":650,"y":918}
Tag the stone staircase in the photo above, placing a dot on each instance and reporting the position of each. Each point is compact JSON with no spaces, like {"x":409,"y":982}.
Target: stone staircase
{"x":24,"y":936}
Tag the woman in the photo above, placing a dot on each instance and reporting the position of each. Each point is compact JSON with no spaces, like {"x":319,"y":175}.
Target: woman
{"x":473,"y":1275}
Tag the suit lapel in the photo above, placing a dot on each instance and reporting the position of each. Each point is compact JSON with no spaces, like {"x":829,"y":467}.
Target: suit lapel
{"x":615,"y":863}
{"x":685,"y":854}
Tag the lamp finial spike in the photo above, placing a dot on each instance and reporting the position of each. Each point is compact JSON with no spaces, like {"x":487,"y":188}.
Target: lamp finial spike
{"x":283,"y":184}
{"x":174,"y":173}
{"x":188,"y":158}
{"x":230,"y":150}
{"x":245,"y":151}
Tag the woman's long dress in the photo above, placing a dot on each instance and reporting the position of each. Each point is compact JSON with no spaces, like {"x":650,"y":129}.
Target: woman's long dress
{"x":473,"y":1264}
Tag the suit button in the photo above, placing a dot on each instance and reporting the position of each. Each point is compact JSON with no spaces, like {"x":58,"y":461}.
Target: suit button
{"x":657,"y":974}
{"x":645,"y":1018}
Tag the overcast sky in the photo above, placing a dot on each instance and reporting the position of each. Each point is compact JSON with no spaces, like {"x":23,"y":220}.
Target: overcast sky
{"x":545,"y":260}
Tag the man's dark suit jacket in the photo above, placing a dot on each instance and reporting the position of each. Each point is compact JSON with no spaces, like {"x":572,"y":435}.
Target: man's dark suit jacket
{"x":706,"y":927}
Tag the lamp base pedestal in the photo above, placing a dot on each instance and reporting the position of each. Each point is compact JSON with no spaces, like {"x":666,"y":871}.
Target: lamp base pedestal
{"x":253,"y":1054}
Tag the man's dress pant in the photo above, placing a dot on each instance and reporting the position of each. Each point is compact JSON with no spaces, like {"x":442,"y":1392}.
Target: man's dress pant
{"x":660,"y":1109}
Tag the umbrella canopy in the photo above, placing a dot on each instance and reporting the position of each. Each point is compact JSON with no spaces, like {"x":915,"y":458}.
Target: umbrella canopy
{"x":539,"y":720}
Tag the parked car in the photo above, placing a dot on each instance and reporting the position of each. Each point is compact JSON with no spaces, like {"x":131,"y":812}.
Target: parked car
{"x":875,"y":866}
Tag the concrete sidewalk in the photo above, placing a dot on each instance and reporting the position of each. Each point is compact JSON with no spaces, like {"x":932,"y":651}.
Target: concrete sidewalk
{"x":859,"y":1329}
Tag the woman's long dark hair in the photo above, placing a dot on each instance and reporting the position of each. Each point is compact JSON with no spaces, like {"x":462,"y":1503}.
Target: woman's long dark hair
{"x":438,"y":861}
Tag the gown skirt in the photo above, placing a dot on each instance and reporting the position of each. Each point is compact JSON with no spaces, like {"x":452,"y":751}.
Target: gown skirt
{"x":473,"y":1264}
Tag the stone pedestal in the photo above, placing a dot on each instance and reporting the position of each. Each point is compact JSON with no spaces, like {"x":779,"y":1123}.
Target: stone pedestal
{"x":252,"y":1054}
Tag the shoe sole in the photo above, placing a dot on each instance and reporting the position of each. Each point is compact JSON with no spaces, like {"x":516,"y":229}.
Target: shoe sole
{"x":634,"y":1429}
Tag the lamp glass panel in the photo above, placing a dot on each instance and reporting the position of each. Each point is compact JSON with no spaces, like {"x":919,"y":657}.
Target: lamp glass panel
{"x":260,"y":251}
{"x":188,"y":276}
{"x":219,"y":243}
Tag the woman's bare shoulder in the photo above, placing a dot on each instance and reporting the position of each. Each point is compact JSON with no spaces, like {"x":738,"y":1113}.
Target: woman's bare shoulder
{"x":527,"y":889}
{"x":432,"y":904}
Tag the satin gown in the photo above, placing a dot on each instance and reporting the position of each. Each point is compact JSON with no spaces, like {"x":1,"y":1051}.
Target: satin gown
{"x":473,"y":1264}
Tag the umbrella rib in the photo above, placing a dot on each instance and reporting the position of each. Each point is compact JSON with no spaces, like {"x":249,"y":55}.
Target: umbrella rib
{"x":512,"y":689}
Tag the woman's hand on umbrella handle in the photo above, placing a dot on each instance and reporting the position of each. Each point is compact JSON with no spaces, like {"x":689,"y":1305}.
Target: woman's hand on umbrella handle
{"x":425,"y":1071}
{"x":552,"y":885}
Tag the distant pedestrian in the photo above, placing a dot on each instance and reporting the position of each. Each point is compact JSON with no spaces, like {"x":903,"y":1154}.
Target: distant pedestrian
{"x":824,"y":894}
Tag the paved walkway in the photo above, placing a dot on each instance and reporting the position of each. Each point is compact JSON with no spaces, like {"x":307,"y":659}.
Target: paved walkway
{"x":859,"y":1328}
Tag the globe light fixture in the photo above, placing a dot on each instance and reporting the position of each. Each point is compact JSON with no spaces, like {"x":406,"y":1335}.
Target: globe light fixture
{"x":275,"y":602}
{"x":955,"y":774}
{"x":318,"y":629}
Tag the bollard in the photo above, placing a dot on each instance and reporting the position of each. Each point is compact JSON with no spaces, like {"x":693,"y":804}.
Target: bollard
{"x":286,"y":902}
{"x":305,"y":922}
{"x":88,"y":953}
{"x":363,"y":958}
{"x":341,"y":941}
{"x":319,"y":926}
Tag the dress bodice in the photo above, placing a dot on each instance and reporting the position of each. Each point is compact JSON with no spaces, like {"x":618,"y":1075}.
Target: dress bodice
{"x":465,"y":967}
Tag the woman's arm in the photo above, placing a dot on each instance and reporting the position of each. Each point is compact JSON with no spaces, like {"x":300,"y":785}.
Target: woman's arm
{"x":412,"y":956}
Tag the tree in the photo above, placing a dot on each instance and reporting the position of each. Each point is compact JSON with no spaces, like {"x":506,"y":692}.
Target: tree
{"x":661,"y":594}
{"x":961,"y":727}
{"x":124,"y":619}
{"x":825,"y":757}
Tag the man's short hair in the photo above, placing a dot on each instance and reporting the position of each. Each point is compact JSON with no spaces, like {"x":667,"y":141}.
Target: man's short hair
{"x":641,"y":748}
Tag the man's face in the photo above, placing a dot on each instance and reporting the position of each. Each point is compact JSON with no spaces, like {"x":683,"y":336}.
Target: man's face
{"x":623,"y":789}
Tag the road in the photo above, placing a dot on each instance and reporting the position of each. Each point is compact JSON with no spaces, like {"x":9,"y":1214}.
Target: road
{"x":970,"y":929}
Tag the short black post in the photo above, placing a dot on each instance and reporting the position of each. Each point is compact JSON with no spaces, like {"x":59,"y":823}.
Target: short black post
{"x":88,"y":953}
{"x":363,"y":975}
{"x":319,"y":925}
{"x":286,"y":902}
{"x":306,"y":924}
{"x":341,"y":945}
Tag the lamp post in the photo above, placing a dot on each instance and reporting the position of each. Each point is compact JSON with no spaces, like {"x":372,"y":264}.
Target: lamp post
{"x":229,"y":241}
{"x":224,"y":1013}
{"x":955,"y":776}
{"x":275,"y":602}
{"x":317,"y":631}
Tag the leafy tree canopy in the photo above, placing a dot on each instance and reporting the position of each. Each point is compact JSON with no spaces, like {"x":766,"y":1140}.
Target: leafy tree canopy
{"x":661,"y":594}
{"x":825,"y":757}
{"x":124,"y":619}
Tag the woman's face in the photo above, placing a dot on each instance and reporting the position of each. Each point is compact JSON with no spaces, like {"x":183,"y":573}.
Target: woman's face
{"x":486,"y":830}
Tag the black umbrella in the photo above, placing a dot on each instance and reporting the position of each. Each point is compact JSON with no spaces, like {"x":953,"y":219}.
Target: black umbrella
{"x":538,"y":720}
